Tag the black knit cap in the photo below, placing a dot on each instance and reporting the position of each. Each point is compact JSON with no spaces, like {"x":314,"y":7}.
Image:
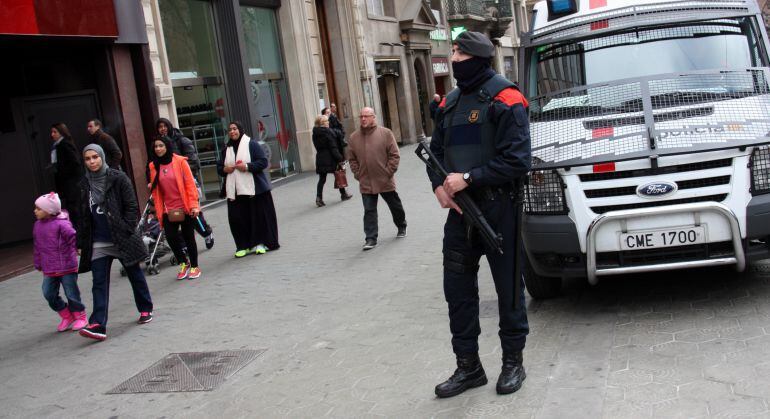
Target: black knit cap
{"x":476,"y":44}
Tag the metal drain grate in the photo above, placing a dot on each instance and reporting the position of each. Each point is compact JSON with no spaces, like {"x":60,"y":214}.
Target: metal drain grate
{"x":187,"y":371}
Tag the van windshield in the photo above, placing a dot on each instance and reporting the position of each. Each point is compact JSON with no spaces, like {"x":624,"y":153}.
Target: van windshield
{"x":716,"y":44}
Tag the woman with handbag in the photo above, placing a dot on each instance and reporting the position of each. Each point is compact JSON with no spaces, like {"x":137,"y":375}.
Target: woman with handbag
{"x":250,"y":209}
{"x":328,"y":159}
{"x":176,"y":197}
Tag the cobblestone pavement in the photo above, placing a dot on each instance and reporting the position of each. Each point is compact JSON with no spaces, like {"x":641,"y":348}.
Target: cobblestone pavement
{"x":365,"y":334}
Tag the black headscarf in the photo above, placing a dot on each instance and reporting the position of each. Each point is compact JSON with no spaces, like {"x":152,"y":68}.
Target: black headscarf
{"x":231,"y":142}
{"x":164,"y":159}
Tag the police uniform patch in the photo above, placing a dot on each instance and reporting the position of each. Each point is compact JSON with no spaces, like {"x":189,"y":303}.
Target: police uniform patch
{"x":473,"y":117}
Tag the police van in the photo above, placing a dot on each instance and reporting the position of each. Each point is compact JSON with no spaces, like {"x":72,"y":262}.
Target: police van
{"x":649,"y":122}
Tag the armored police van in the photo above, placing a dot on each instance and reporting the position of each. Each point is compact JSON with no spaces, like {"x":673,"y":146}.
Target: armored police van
{"x":650,"y":122}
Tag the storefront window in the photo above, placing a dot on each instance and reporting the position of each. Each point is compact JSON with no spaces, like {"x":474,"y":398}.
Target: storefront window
{"x":261,"y":40}
{"x":188,"y":28}
{"x":201,"y":112}
{"x":274,"y":125}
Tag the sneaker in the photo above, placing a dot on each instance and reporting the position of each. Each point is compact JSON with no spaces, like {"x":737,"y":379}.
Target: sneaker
{"x":209,"y":241}
{"x":346,"y":196}
{"x":370,"y":244}
{"x":241,"y":253}
{"x":195,"y":273}
{"x":319,"y":202}
{"x":94,"y":331}
{"x":184,"y":271}
{"x":401,"y":232}
{"x":145,"y":317}
{"x":260,"y":249}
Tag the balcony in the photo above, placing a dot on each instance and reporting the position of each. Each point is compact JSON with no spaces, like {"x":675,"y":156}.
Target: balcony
{"x":488,"y":16}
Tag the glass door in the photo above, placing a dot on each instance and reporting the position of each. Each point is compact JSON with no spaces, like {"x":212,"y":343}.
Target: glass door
{"x":274,"y":126}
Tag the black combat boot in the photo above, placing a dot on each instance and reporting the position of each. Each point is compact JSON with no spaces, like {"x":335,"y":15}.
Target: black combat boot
{"x":512,"y":376}
{"x":469,"y":374}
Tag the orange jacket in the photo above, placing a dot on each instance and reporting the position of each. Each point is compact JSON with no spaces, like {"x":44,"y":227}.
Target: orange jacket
{"x":184,"y":181}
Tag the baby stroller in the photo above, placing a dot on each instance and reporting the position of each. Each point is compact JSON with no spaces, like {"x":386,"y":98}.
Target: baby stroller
{"x":153,"y":238}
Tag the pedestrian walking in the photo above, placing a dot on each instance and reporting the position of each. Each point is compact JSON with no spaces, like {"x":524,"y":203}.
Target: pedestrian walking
{"x":175,"y":196}
{"x":107,"y":232}
{"x":336,"y":126}
{"x":482,"y":139}
{"x":106,"y":142}
{"x":434,"y":106}
{"x":184,"y":147}
{"x":328,"y":158}
{"x":55,"y":254}
{"x":374,"y":157}
{"x":67,"y":169}
{"x":250,"y":209}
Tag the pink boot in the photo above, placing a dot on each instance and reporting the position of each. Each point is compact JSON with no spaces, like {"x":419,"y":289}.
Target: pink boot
{"x":80,"y":320}
{"x":66,"y":320}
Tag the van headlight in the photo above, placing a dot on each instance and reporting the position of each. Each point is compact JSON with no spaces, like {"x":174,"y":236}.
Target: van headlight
{"x":544,"y":193}
{"x":760,"y":170}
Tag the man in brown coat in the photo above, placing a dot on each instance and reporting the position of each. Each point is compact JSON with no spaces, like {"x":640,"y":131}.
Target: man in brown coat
{"x":108,"y":144}
{"x":373,"y":155}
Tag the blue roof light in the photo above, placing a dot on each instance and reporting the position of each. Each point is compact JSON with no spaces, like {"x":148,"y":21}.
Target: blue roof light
{"x":559,"y":8}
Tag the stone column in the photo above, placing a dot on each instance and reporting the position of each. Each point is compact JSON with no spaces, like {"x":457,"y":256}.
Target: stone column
{"x":160,"y":66}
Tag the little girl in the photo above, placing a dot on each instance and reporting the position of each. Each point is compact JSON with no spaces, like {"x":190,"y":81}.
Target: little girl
{"x":55,"y":253}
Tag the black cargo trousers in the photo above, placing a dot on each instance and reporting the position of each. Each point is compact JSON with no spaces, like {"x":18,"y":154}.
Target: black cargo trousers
{"x":462,"y":251}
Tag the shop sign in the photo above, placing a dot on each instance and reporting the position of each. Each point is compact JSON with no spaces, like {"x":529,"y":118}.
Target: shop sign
{"x":438,"y":34}
{"x":440,"y":66}
{"x":59,"y":18}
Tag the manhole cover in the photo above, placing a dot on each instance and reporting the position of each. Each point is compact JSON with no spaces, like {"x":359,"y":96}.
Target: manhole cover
{"x":188,"y":371}
{"x":488,"y":309}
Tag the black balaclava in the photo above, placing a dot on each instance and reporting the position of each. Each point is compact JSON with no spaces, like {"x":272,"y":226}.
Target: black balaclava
{"x":472,"y":72}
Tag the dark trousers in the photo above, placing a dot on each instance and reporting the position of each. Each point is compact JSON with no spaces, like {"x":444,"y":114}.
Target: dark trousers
{"x":370,"y":212}
{"x":100,"y":268}
{"x":320,"y":187}
{"x":187,"y":239}
{"x":70,"y":284}
{"x":461,"y":264}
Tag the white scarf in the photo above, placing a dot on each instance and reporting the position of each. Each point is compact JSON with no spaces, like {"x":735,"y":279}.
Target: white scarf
{"x":237,"y":182}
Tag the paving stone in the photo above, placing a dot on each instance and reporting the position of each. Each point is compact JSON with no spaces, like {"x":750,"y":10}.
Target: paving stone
{"x":736,"y":406}
{"x":705,"y":390}
{"x":630,"y":377}
{"x":650,"y":393}
{"x":680,"y":408}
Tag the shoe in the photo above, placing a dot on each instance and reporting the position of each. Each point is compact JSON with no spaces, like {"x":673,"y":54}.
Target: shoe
{"x":370,"y":244}
{"x":319,"y":202}
{"x":209,"y":241}
{"x":80,"y":320}
{"x":94,"y":331}
{"x":195,"y":273}
{"x":184,"y":271}
{"x":346,"y":197}
{"x":260,"y":249}
{"x":401,"y":232}
{"x":145,"y":317}
{"x":241,"y":253}
{"x":512,"y":375}
{"x":66,"y":320}
{"x":469,"y":374}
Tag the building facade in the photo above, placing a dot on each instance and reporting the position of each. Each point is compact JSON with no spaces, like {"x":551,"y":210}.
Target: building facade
{"x":68,"y":62}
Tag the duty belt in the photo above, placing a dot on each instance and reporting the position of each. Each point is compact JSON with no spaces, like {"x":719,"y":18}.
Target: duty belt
{"x":492,"y":193}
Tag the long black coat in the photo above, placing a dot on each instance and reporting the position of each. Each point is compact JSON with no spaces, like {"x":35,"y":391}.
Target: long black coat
{"x":122,"y":213}
{"x":68,"y":171}
{"x":327,"y":150}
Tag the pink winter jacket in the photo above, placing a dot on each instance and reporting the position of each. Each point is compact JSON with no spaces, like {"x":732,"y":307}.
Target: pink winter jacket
{"x":55,"y":250}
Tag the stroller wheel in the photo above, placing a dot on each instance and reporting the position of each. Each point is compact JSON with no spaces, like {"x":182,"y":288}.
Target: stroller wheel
{"x":173,"y":261}
{"x":152,"y":270}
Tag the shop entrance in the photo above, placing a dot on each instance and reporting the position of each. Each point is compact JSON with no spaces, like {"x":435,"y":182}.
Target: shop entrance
{"x":272,"y":122}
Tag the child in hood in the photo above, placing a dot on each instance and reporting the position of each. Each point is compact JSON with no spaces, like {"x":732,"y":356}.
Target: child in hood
{"x":55,"y":254}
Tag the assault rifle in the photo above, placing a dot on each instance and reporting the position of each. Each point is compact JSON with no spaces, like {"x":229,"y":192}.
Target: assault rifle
{"x":471,"y":212}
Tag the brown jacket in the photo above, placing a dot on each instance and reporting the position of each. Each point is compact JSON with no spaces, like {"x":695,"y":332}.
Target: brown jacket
{"x":374,"y":157}
{"x":112,"y":152}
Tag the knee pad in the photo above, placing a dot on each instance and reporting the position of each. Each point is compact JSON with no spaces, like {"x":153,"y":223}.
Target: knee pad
{"x":457,"y":262}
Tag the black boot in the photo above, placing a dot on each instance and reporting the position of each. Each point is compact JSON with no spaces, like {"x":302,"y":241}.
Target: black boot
{"x":469,"y":374}
{"x":512,"y":376}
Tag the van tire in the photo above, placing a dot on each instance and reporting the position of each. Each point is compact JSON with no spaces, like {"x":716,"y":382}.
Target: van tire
{"x":541,"y":287}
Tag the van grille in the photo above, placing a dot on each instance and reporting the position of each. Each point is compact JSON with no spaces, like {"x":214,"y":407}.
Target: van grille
{"x":605,"y":260}
{"x":682,"y":184}
{"x":647,"y":204}
{"x":592,"y":177}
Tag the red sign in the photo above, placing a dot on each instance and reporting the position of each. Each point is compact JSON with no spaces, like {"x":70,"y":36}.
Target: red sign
{"x":92,"y":18}
{"x":440,"y":66}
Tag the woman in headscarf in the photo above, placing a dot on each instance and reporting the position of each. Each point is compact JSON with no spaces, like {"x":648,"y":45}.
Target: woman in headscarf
{"x":176,"y":203}
{"x":106,"y":231}
{"x":67,"y":169}
{"x":250,"y":209}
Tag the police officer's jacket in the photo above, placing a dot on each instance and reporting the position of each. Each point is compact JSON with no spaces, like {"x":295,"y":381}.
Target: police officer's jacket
{"x":484,"y":132}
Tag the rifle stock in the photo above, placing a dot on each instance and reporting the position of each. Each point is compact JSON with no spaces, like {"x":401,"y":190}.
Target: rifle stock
{"x":471,"y":212}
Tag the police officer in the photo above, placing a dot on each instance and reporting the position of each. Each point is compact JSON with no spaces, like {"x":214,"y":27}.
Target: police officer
{"x":482,"y":139}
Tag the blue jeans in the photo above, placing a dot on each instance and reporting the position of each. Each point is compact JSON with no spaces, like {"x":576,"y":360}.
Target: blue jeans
{"x":100,"y":268}
{"x":71,"y":290}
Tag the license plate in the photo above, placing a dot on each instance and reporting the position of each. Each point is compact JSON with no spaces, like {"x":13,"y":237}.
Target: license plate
{"x":654,"y":239}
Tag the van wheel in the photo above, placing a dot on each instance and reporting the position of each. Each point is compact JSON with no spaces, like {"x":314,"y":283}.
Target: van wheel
{"x":540,"y":287}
